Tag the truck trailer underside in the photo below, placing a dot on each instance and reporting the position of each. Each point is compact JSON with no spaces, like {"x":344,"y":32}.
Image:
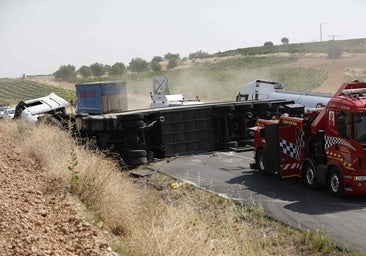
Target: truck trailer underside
{"x":140,"y":135}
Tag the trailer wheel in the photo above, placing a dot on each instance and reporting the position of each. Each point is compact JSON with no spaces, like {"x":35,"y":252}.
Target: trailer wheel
{"x":309,"y":175}
{"x":136,"y":161}
{"x":336,"y":183}
{"x":135,"y":153}
{"x":260,"y":161}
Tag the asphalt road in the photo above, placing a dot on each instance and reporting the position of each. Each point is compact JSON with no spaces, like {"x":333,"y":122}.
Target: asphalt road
{"x":288,"y":200}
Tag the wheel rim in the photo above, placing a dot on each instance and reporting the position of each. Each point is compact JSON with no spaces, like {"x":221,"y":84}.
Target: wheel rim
{"x":310,"y":176}
{"x":334,"y":182}
{"x":261,"y":162}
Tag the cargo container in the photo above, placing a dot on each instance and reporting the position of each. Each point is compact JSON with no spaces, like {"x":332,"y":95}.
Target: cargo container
{"x":101,"y":97}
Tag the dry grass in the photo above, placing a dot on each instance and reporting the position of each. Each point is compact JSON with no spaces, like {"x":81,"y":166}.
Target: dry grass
{"x":147,"y":216}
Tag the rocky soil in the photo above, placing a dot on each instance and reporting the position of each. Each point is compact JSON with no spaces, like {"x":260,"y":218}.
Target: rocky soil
{"x":34,"y":218}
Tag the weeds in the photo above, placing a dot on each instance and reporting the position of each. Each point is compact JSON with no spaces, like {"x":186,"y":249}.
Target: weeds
{"x":74,"y":174}
{"x":177,"y":220}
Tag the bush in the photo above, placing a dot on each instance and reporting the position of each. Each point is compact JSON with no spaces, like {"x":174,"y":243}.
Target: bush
{"x":170,"y":56}
{"x":97,"y":69}
{"x":138,"y":65}
{"x":199,"y":54}
{"x":155,"y":66}
{"x":172,"y":63}
{"x":118,"y":69}
{"x":268,"y":43}
{"x":157,"y":59}
{"x":65,"y":72}
{"x":85,"y":71}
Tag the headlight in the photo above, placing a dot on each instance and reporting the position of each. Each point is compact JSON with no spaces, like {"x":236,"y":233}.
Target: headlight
{"x":359,"y":178}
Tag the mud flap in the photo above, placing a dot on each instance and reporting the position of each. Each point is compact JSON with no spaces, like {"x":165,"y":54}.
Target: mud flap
{"x":272,"y":154}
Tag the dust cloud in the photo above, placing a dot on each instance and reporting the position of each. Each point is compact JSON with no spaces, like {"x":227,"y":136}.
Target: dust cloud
{"x":192,"y":84}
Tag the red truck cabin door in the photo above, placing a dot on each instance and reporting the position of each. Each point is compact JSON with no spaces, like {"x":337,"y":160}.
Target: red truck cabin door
{"x":291,"y":143}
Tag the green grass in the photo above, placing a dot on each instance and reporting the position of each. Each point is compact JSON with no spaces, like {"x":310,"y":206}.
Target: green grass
{"x":14,"y":90}
{"x":351,"y":45}
{"x":304,"y":79}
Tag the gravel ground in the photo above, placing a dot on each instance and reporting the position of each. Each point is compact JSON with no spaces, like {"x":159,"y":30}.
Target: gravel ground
{"x":35,"y":220}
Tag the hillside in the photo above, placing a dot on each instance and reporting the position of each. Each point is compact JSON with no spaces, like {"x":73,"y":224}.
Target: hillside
{"x":44,"y":174}
{"x":35,"y":217}
{"x":14,"y":90}
{"x":219,"y":76}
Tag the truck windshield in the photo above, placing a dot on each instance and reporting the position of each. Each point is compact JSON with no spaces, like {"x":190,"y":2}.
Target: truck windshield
{"x":360,"y":126}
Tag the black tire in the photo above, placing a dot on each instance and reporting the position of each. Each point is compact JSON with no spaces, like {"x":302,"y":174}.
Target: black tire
{"x":260,"y":161}
{"x":309,"y":175}
{"x":335,"y":182}
{"x":135,"y":153}
{"x":150,"y":156}
{"x":136,"y":161}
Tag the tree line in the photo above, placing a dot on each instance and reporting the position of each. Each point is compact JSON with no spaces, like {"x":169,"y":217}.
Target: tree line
{"x":69,"y":72}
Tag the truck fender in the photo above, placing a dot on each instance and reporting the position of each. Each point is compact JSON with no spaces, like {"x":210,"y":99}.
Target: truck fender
{"x":331,"y":165}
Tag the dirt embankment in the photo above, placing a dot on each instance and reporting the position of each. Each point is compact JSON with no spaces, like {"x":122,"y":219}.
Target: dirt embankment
{"x":35,"y":220}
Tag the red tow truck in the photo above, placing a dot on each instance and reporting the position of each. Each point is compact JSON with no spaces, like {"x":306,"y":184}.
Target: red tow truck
{"x":322,"y":146}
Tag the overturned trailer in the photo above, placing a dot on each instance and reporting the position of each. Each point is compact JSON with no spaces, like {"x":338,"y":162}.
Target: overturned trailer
{"x":141,"y":135}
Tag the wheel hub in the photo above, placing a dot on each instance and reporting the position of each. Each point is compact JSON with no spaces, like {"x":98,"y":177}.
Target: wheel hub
{"x":310,"y":176}
{"x":334,"y":183}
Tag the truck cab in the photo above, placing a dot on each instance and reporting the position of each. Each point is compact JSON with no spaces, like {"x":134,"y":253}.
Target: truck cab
{"x":325,"y":146}
{"x":344,"y":124}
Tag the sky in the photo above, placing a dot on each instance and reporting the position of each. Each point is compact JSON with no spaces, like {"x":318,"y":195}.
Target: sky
{"x":39,"y":36}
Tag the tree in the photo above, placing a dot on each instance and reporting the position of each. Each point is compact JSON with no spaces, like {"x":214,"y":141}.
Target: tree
{"x":199,"y":54}
{"x":268,"y":43}
{"x":118,"y":68}
{"x":170,"y":56}
{"x":157,"y":59}
{"x":85,"y":71}
{"x":138,"y":65}
{"x":107,"y":68}
{"x":284,"y":40}
{"x":65,"y":72}
{"x":97,"y":69}
{"x":172,"y":63}
{"x":155,"y":66}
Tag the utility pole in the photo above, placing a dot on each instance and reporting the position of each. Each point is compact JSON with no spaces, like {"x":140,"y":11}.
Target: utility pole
{"x":321,"y":31}
{"x":333,"y":36}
